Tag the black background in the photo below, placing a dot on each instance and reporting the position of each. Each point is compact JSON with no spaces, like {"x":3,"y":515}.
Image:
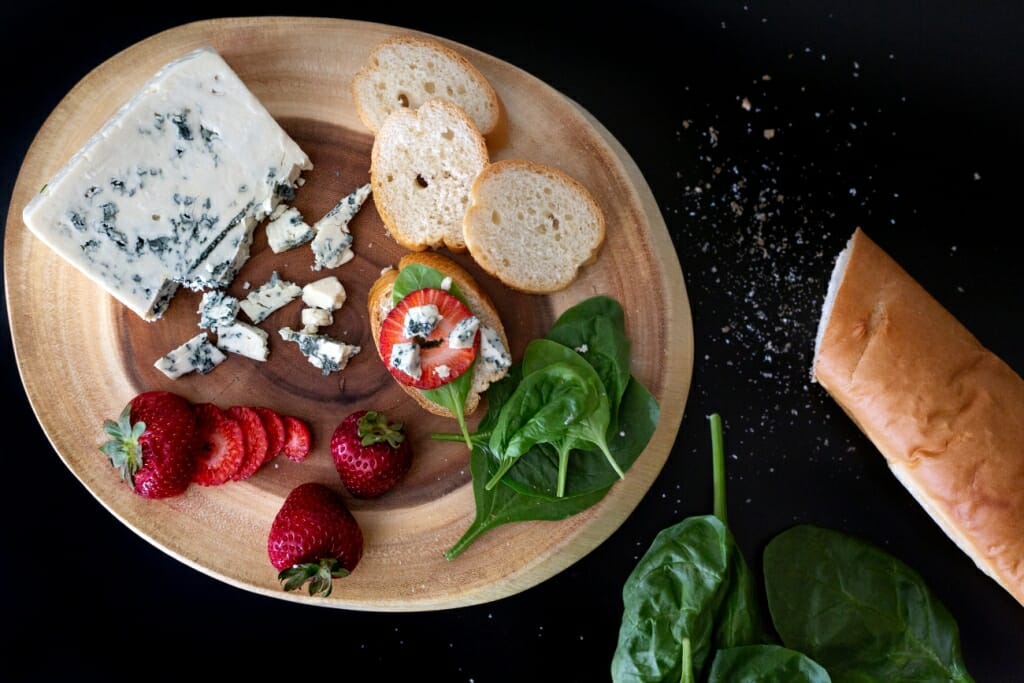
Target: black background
{"x":903,"y":118}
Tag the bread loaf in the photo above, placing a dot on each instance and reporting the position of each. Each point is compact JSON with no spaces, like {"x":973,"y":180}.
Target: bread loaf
{"x":407,"y":71}
{"x":532,"y":226}
{"x":946,"y":413}
{"x":422,"y":167}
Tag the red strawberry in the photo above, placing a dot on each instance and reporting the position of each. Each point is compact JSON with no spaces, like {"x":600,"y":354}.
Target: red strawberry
{"x":220,"y":445}
{"x":439,"y":363}
{"x":254,"y":441}
{"x":314,"y":536}
{"x":152,"y":444}
{"x":274,"y":426}
{"x":370,"y":455}
{"x":296,"y":438}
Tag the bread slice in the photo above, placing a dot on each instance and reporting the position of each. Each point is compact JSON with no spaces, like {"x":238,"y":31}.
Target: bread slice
{"x":422,"y":167}
{"x":379,"y":304}
{"x":407,"y":71}
{"x":945,"y":412}
{"x":532,"y":226}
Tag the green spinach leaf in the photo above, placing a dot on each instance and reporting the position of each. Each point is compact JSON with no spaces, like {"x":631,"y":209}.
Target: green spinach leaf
{"x":765,"y":664}
{"x":418,"y":276}
{"x":860,"y":612}
{"x":690,"y":595}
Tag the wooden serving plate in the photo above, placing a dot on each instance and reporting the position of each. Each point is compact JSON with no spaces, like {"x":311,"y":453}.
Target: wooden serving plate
{"x":97,"y":354}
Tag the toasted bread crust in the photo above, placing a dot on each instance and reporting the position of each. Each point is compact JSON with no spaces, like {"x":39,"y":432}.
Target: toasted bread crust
{"x":379,"y":304}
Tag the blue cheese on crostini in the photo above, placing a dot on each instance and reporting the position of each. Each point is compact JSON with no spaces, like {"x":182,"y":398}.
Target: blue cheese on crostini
{"x":243,"y":339}
{"x":327,"y":293}
{"x":287,"y":230}
{"x":420,"y":321}
{"x":216,"y":308}
{"x":462,"y":335}
{"x":405,"y":357}
{"x":322,"y":351}
{"x":332,"y":245}
{"x":492,"y":350}
{"x":268,"y":297}
{"x":195,"y":355}
{"x":170,"y":189}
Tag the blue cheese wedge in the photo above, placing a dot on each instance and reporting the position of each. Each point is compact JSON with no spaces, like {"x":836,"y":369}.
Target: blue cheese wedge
{"x":169,"y":190}
{"x":268,"y":297}
{"x":195,"y":355}
{"x":288,"y":230}
{"x":321,"y":350}
{"x":332,"y":246}
{"x":217,"y":308}
{"x":243,"y":339}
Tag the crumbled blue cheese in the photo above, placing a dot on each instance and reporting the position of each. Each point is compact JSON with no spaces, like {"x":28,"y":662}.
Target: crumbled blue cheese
{"x":442,"y":371}
{"x":321,"y":350}
{"x":315,"y":318}
{"x":405,"y":357}
{"x":243,"y":339}
{"x":420,"y":321}
{"x":446,"y":283}
{"x":288,"y":230}
{"x":217,"y":308}
{"x":462,"y":335}
{"x":268,"y":297}
{"x":195,"y":355}
{"x":332,"y":246}
{"x":492,"y":350}
{"x":327,"y":293}
{"x":169,"y":190}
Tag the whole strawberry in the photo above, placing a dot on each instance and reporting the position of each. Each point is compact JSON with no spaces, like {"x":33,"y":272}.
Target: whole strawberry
{"x":152,"y":444}
{"x":371,"y":456}
{"x":314,"y":538}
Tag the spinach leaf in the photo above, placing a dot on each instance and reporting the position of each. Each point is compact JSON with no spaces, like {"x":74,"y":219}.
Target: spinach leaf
{"x":535,"y":474}
{"x":860,"y":612}
{"x":765,"y":664}
{"x":596,"y":328}
{"x":451,"y":396}
{"x":418,"y":276}
{"x":547,"y":407}
{"x":691,"y":594}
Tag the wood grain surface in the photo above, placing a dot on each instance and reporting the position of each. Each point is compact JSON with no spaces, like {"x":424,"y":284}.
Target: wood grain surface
{"x":82,"y":355}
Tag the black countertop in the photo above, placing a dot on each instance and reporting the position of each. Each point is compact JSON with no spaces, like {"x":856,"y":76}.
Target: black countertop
{"x":767,"y":132}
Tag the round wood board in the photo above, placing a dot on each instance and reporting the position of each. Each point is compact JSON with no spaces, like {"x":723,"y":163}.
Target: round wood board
{"x":82,"y":355}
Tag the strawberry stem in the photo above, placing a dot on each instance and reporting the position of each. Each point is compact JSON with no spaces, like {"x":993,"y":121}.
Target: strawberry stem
{"x":373,"y":428}
{"x":319,"y":574}
{"x":123,"y":448}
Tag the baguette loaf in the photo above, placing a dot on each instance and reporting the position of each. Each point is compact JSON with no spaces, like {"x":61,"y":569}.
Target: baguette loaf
{"x":406,"y":71}
{"x":946,"y":413}
{"x":379,"y":304}
{"x":422,"y":167}
{"x":532,"y":226}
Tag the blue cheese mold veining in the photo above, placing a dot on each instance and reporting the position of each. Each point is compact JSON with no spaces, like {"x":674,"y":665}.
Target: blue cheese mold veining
{"x":169,"y":191}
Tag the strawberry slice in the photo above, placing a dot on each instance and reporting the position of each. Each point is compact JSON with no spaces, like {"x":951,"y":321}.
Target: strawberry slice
{"x":274,"y":426}
{"x":296,"y":438}
{"x":439,"y":363}
{"x":220,"y":445}
{"x":254,"y":438}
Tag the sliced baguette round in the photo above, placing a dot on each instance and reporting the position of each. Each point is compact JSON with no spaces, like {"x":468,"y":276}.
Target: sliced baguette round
{"x":407,"y":71}
{"x":532,"y":226}
{"x":945,"y":412}
{"x":379,"y":304}
{"x":422,"y":167}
